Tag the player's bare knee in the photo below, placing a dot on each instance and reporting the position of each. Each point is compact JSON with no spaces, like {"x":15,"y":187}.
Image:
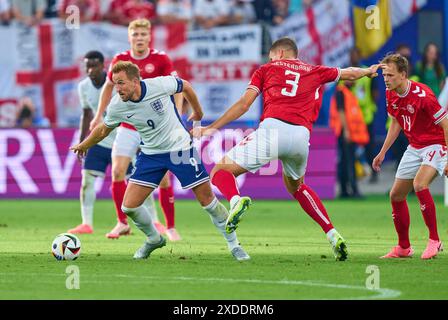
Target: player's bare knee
{"x":215,"y":169}
{"x":419,"y":186}
{"x":118,"y":173}
{"x":396,"y":196}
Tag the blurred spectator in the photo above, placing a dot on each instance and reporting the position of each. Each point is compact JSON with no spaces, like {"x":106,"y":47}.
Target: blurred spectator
{"x":367,"y":93}
{"x":348,"y":124}
{"x":295,"y":7}
{"x":52,"y":9}
{"x":430,"y":70}
{"x":5,"y":12}
{"x":172,"y":11}
{"x":281,"y":11}
{"x":28,"y":12}
{"x":211,"y":13}
{"x":115,"y":13}
{"x":27,"y":116}
{"x":265,"y":11}
{"x":124,"y":11}
{"x":89,"y":9}
{"x":136,"y":9}
{"x":404,"y":50}
{"x":242,"y":12}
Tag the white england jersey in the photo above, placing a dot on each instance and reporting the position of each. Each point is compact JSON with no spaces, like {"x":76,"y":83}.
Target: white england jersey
{"x":154,"y":116}
{"x":89,"y":96}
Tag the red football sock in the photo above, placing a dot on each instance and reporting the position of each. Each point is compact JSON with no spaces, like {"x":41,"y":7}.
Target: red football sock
{"x":118,"y":189}
{"x":400,"y":214}
{"x":429,"y":212}
{"x":226,"y":183}
{"x":166,"y":200}
{"x":310,"y":202}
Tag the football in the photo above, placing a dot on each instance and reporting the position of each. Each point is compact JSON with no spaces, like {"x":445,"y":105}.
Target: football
{"x":66,"y":246}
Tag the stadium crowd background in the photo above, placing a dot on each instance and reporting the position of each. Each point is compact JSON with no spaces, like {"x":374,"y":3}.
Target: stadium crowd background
{"x":426,"y":52}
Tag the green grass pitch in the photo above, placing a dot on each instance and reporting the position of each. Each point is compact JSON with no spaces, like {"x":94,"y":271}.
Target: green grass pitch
{"x":291,"y":258}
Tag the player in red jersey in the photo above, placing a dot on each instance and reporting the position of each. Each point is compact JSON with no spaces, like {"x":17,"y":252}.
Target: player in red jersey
{"x":292,"y":97}
{"x":414,"y":109}
{"x":152,"y":63}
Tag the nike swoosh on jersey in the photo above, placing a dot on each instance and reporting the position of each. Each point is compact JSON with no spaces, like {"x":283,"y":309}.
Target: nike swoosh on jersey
{"x":198,"y":175}
{"x":130,"y":116}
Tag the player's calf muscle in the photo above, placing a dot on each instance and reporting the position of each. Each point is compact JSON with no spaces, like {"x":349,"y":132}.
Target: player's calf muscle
{"x":204,"y":194}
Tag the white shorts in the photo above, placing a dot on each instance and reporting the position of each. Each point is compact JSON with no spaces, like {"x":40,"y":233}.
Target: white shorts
{"x":126,"y":143}
{"x":273,"y":140}
{"x":434,"y":156}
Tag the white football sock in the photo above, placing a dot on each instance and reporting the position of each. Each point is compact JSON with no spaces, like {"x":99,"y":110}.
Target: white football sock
{"x":218,"y":213}
{"x":331,"y":235}
{"x":87,"y":196}
{"x":142,"y":220}
{"x":234,"y":200}
{"x":150,"y":205}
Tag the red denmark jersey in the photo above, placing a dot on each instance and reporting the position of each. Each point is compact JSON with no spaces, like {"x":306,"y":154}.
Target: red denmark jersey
{"x":133,"y":10}
{"x":155,"y":64}
{"x":292,"y":90}
{"x":418,"y":112}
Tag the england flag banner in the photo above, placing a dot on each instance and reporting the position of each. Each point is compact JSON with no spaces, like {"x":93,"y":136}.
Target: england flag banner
{"x":323,"y":33}
{"x":221,"y":63}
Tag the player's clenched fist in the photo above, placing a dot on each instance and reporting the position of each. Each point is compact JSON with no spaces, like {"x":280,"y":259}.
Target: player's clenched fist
{"x":377,"y":162}
{"x":445,"y":171}
{"x":198,"y":132}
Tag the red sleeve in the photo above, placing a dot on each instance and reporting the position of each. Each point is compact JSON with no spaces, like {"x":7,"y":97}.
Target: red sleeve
{"x":112,"y":63}
{"x":328,"y":74}
{"x":433,"y":108}
{"x":168,"y":66}
{"x":256,"y":82}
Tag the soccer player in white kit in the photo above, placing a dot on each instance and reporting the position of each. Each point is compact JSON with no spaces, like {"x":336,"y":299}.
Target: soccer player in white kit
{"x":152,"y":63}
{"x":99,"y":157}
{"x":166,"y":145}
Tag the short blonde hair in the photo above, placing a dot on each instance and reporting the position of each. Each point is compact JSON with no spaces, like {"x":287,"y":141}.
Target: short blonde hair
{"x":397,"y":59}
{"x":132,"y":71}
{"x":139,"y":23}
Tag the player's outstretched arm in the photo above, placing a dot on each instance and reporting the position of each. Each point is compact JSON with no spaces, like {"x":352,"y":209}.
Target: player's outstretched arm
{"x":86,"y":117}
{"x":354,"y":73}
{"x":193,"y":100}
{"x":234,"y":112}
{"x":99,"y":133}
{"x":105,"y":97}
{"x":392,"y":135}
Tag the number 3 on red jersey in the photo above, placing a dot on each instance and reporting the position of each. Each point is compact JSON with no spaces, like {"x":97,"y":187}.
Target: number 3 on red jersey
{"x":294,"y":84}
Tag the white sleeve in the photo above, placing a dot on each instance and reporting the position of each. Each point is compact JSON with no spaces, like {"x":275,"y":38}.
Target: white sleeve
{"x":112,"y":118}
{"x":82,"y":97}
{"x":171,"y":85}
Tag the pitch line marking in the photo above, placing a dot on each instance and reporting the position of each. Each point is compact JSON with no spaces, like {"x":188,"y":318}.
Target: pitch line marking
{"x":382,"y":293}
